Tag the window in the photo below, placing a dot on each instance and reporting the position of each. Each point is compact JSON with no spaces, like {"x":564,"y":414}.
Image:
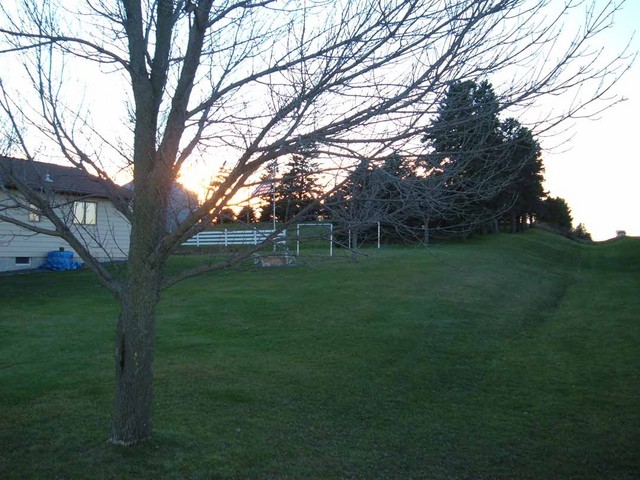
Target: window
{"x":23,"y":260}
{"x":34,"y":216}
{"x":85,"y":213}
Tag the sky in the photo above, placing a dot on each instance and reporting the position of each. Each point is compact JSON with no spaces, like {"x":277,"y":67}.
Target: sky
{"x":598,"y":170}
{"x":596,"y":167}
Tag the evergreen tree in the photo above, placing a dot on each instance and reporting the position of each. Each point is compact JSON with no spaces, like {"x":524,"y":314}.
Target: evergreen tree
{"x":296,"y":191}
{"x":226,"y":216}
{"x":246,"y":215}
{"x":555,"y":212}
{"x":523,"y":159}
{"x":465,"y":132}
{"x":581,"y":233}
{"x":465,"y":145}
{"x":267,"y":192}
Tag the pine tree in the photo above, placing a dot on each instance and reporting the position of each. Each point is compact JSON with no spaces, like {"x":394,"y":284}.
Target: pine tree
{"x":464,"y":149}
{"x":297,"y":192}
{"x":522,"y":155}
{"x":556,"y":213}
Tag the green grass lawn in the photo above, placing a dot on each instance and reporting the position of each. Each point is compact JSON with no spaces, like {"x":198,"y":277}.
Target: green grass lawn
{"x":509,"y":356}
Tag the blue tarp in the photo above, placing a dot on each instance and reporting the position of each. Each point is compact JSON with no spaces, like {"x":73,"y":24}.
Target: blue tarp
{"x":60,"y":260}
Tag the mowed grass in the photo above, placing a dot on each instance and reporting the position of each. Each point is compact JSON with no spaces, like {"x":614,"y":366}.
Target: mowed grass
{"x":509,"y":356}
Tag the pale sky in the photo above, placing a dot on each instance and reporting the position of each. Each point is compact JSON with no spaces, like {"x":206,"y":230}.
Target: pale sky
{"x":597,"y":168}
{"x":597,"y":171}
{"x":600,"y":173}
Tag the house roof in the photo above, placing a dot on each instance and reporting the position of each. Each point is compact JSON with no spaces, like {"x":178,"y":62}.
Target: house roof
{"x":58,"y":178}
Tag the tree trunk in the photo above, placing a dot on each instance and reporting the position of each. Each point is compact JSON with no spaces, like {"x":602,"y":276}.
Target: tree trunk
{"x":135,"y":338}
{"x":427,"y":237}
{"x":135,"y":333}
{"x":354,"y":246}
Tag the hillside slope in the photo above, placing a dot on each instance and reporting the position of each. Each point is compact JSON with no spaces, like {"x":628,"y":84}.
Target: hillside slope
{"x":508,"y":356}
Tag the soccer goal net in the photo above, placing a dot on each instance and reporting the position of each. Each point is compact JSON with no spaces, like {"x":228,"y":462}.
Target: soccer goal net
{"x":314,"y":238}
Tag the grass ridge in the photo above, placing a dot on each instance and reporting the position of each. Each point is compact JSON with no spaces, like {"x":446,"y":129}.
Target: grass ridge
{"x":508,"y":356}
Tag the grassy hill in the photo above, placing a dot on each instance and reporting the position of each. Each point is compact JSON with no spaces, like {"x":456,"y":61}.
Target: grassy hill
{"x":509,"y":356}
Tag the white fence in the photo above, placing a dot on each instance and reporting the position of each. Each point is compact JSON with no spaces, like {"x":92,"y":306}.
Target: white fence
{"x":225,"y":237}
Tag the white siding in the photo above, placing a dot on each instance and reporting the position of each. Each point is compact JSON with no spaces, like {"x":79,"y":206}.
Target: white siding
{"x":108,"y":240}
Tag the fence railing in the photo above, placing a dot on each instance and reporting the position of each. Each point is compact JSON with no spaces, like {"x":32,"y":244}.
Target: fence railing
{"x":234,"y":237}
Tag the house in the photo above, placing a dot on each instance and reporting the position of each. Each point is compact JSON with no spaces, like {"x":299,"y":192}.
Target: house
{"x":181,"y":203}
{"x":81,"y":200}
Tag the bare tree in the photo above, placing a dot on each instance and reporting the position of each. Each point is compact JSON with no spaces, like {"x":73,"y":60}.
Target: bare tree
{"x":359,"y":204}
{"x":247,"y":82}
